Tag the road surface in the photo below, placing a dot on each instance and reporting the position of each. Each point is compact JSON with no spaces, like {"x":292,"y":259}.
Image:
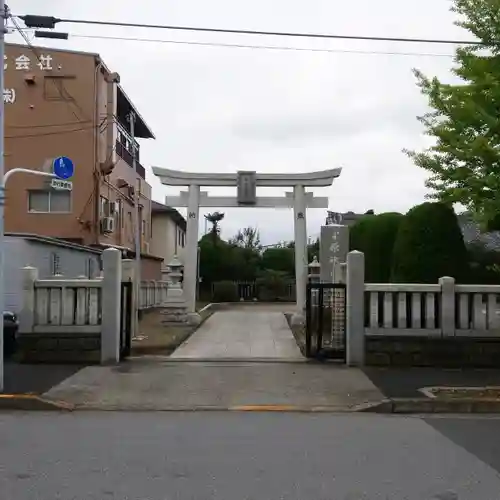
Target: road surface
{"x":246,"y":456}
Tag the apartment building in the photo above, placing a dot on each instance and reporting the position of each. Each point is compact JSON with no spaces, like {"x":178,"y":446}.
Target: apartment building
{"x":67,"y":103}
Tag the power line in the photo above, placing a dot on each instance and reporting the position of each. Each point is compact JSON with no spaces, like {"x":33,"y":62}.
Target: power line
{"x":31,"y":21}
{"x":48,"y":125}
{"x":53,"y":132}
{"x":261,"y":47}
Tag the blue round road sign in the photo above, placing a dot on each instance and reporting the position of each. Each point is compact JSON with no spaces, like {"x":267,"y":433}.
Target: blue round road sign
{"x":63,"y":167}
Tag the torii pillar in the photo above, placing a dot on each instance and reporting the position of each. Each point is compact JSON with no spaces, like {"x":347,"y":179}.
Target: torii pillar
{"x":246,"y":183}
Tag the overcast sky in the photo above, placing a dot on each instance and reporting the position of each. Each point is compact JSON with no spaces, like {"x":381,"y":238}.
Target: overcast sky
{"x":227,"y":109}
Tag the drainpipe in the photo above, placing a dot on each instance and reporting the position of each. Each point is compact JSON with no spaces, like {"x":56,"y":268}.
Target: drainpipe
{"x":97,"y":174}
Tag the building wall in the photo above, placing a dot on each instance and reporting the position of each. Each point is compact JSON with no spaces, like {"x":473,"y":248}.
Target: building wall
{"x":125,"y":218}
{"x":67,"y":109}
{"x":50,"y":117}
{"x":168,"y":239}
{"x":151,"y":269}
{"x":48,"y":259}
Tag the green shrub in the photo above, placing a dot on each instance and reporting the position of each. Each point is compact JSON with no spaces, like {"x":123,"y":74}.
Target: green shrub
{"x":429,"y":244}
{"x":375,"y":236}
{"x":225,"y":291}
{"x":272,"y":285}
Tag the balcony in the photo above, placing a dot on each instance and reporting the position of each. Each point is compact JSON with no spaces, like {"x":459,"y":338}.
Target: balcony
{"x":124,"y":147}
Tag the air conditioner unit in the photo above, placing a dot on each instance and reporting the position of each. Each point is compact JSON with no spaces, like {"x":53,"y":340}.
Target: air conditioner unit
{"x":107,"y":224}
{"x":131,"y":191}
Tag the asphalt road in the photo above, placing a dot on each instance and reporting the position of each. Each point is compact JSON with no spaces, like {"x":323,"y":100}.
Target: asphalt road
{"x":233,"y":456}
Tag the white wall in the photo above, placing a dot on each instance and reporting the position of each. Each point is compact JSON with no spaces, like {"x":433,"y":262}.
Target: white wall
{"x":167,"y":238}
{"x":20,"y":252}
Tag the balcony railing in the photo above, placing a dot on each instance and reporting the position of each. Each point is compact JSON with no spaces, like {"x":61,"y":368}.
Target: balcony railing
{"x":124,"y":145}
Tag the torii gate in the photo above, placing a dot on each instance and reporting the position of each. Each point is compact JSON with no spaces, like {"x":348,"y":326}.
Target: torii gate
{"x":246,"y":183}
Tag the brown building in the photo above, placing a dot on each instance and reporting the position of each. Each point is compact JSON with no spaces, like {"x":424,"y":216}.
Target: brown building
{"x":66,"y":103}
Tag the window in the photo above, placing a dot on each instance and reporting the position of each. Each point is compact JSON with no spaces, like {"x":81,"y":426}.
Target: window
{"x":90,"y":268}
{"x":104,"y":206}
{"x":49,"y":201}
{"x":55,"y":264}
{"x":120,"y":212}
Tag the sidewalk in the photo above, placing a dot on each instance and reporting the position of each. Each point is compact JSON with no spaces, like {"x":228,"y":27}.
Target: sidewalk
{"x":162,"y":384}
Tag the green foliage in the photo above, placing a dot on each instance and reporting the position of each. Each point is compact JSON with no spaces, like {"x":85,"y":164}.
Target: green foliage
{"x":484,"y":264}
{"x":429,"y":244}
{"x":375,"y":236}
{"x":464,"y":162}
{"x":279,"y":259}
{"x":225,"y":291}
{"x":272,"y":285}
{"x":247,"y":238}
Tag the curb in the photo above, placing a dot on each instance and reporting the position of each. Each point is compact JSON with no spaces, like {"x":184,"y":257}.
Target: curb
{"x":434,"y":405}
{"x":31,"y":402}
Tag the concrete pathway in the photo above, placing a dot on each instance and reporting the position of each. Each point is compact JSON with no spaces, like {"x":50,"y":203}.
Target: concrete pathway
{"x":242,"y":333}
{"x":161,"y":383}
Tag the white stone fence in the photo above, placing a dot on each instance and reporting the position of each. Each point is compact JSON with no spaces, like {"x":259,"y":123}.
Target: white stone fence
{"x":444,"y":310}
{"x":82,"y":307}
{"x":152,"y":294}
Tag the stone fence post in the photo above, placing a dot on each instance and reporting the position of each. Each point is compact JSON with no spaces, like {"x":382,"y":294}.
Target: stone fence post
{"x":27,"y":315}
{"x":111,"y":306}
{"x":355,"y":313}
{"x":447,"y":306}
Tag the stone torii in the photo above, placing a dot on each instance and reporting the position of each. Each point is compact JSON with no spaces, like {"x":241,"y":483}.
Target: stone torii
{"x":246,"y":183}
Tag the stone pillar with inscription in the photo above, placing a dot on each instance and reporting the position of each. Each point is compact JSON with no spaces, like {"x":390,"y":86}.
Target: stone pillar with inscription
{"x":191,"y":253}
{"x":333,"y":249}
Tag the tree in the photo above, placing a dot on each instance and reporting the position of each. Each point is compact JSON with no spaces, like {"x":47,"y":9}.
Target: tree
{"x":429,"y":244}
{"x":464,"y":162}
{"x":279,"y":259}
{"x":214,"y":219}
{"x":375,"y":236}
{"x":247,"y":238}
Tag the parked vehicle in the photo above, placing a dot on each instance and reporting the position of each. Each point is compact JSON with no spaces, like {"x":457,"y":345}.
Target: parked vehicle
{"x":10,"y":327}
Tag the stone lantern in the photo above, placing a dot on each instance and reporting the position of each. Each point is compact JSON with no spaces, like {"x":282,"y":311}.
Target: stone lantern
{"x":314,"y":271}
{"x":174,"y":276}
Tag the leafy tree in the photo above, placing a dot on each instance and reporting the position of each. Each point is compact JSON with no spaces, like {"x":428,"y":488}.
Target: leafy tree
{"x":279,"y":259}
{"x":484,"y":264}
{"x":375,"y":236}
{"x":247,"y":238}
{"x":464,"y":162}
{"x":429,"y":244}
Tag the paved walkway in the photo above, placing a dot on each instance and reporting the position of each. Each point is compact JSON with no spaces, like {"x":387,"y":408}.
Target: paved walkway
{"x":242,"y":333}
{"x":161,"y":383}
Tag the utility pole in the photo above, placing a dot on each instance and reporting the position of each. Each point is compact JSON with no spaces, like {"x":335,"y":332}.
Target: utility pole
{"x":138,"y":224}
{"x":3,"y":15}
